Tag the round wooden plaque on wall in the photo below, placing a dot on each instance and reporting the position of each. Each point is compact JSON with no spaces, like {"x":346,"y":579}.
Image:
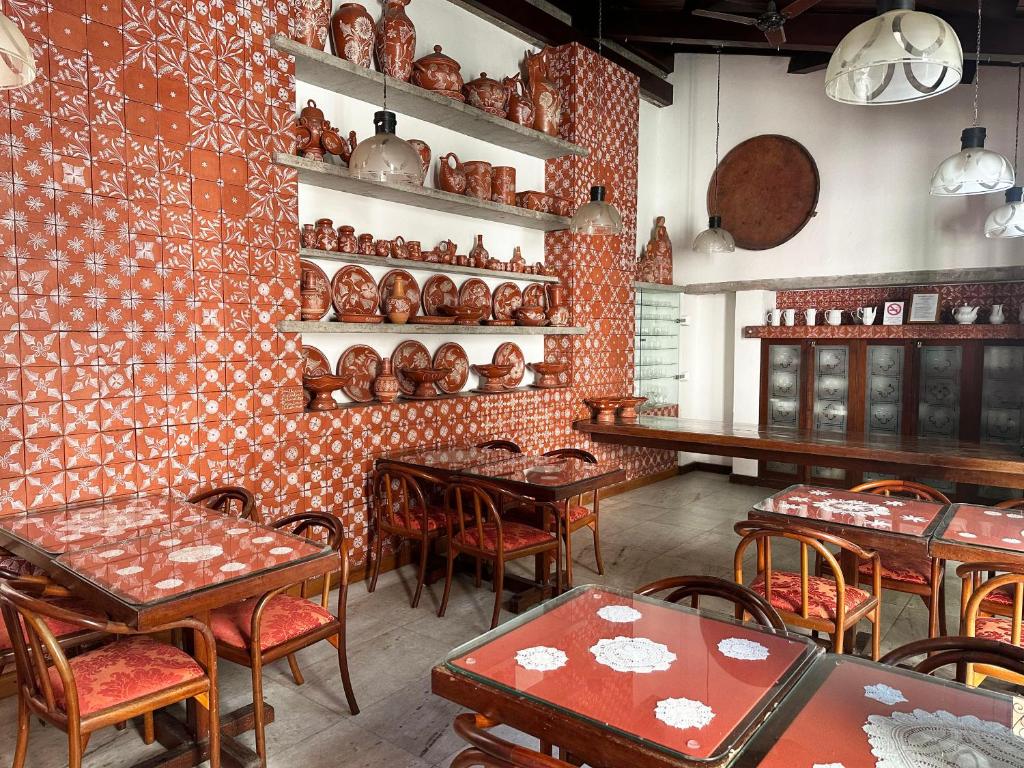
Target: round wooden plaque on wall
{"x":767,"y":191}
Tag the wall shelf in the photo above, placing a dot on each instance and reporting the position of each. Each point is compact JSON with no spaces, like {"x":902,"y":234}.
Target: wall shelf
{"x":450,"y":396}
{"x":324,"y":174}
{"x":923,"y":331}
{"x":331,"y":326}
{"x":426,"y":266}
{"x":657,"y":287}
{"x":327,"y":71}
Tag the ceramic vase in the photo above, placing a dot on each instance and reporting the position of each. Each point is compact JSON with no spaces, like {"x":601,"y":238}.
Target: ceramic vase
{"x":347,"y":242}
{"x":308,"y":236}
{"x":478,"y":179}
{"x":398,"y":303}
{"x":385,"y":386}
{"x":352,"y":34}
{"x":310,"y":22}
{"x":478,"y":255}
{"x":326,"y":237}
{"x":503,"y":184}
{"x":520,"y":104}
{"x":547,"y":101}
{"x":396,"y":41}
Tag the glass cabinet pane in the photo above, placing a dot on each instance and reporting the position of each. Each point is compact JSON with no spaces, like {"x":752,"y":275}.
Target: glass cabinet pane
{"x":1002,"y":394}
{"x":831,"y":398}
{"x":656,"y":347}
{"x":938,"y":407}
{"x":783,"y":395}
{"x":883,"y":412}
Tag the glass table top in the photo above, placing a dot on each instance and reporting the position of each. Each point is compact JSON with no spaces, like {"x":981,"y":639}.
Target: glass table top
{"x":673,"y":679}
{"x":972,"y":525}
{"x":866,"y":714}
{"x":861,"y":510}
{"x":547,"y":471}
{"x":451,"y":458}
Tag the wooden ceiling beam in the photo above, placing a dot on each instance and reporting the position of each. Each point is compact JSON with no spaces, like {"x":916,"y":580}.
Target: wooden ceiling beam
{"x":805,"y":63}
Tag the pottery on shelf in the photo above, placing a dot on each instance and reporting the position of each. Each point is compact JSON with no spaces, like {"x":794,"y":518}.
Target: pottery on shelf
{"x":313,"y":303}
{"x":335,"y":145}
{"x":353,"y":34}
{"x":520,"y":104}
{"x":531,"y":316}
{"x":547,"y":101}
{"x":996,"y":315}
{"x":385,"y":386}
{"x":396,"y":40}
{"x":382,"y":248}
{"x":398,"y":303}
{"x":487,"y":94}
{"x":321,"y":387}
{"x":558,"y":311}
{"x":503,"y":184}
{"x":451,"y":175}
{"x":307,"y":237}
{"x":464,"y":314}
{"x":656,"y":262}
{"x":547,"y":374}
{"x":437,"y":72}
{"x":426,"y":380}
{"x":491,"y":376}
{"x":517,"y":262}
{"x":399,"y":248}
{"x":965,"y":315}
{"x":628,"y":408}
{"x":478,"y":255}
{"x":347,"y":242}
{"x":478,"y":179}
{"x":326,"y":237}
{"x":309,"y":129}
{"x":310,"y":22}
{"x":364,"y":244}
{"x":423,"y":150}
{"x":603,"y":408}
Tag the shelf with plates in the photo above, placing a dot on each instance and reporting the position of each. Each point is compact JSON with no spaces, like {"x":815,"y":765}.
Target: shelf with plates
{"x":453,"y":396}
{"x":327,"y":71}
{"x":921,"y":331}
{"x":416,"y":329}
{"x":426,"y":266}
{"x":323,"y":174}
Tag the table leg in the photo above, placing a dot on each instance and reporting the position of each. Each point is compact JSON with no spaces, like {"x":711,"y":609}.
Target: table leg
{"x":933,"y":599}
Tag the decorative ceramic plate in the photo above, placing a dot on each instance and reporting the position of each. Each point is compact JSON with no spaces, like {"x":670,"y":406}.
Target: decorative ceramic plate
{"x":353,"y":291}
{"x":362,"y":364}
{"x":533,"y":295}
{"x":439,"y":291}
{"x":323,"y":285}
{"x":315,"y":361}
{"x":409,"y":354}
{"x":509,"y":353}
{"x":475,"y":293}
{"x":412,"y":290}
{"x":507,"y":299}
{"x":452,"y":355}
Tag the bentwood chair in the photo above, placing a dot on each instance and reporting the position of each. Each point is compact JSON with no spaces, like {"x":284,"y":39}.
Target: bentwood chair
{"x":489,"y":751}
{"x":1000,"y":602}
{"x":578,"y":516}
{"x":909,"y":575}
{"x":401,"y":508}
{"x":232,"y":500}
{"x":507,"y":445}
{"x":962,"y":651}
{"x":132,"y":676}
{"x":817,"y":603}
{"x":975,"y":593}
{"x":261,"y":630}
{"x":746,"y":601}
{"x":475,"y":527}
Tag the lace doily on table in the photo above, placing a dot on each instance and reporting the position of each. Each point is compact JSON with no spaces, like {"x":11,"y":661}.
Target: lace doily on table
{"x":820,"y":493}
{"x":742,"y":649}
{"x":684,"y":713}
{"x":921,"y":739}
{"x":883,"y":693}
{"x":893,"y":503}
{"x":852,"y":507}
{"x":541,"y":658}
{"x":633,"y":654}
{"x":619,"y":614}
{"x":828,"y":765}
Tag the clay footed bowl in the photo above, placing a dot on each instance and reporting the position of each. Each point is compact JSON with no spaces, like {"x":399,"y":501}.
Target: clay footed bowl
{"x":603,"y":408}
{"x":321,"y":388}
{"x":463,"y":313}
{"x":548,"y":369}
{"x":628,"y":407}
{"x":425,"y":379}
{"x":492,"y":374}
{"x":531,"y":316}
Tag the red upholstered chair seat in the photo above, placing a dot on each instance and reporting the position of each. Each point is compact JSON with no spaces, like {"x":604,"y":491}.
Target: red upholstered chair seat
{"x":578,"y":512}
{"x":124,"y":671}
{"x":19,"y":566}
{"x":1001,"y":596}
{"x":821,"y":594}
{"x":58,"y":627}
{"x":994,"y":628}
{"x":286,"y":617}
{"x":436,"y":517}
{"x":514,"y":536}
{"x":909,"y":570}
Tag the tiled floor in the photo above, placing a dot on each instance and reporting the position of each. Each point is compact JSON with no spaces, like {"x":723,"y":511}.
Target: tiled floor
{"x":679,"y":526}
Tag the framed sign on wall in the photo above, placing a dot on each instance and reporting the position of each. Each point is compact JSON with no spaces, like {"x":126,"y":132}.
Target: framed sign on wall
{"x":893,"y":313}
{"x":924,"y":308}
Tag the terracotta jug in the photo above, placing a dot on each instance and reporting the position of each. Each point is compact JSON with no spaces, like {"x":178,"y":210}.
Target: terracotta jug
{"x":399,"y":249}
{"x":397,"y":303}
{"x":520,"y":105}
{"x":517,"y":263}
{"x":313,"y":306}
{"x":451,"y":175}
{"x":503,"y":184}
{"x":478,"y":254}
{"x":547,"y":101}
{"x":326,"y":237}
{"x":352,"y":34}
{"x":347,"y":242}
{"x":385,"y":386}
{"x":308,"y":237}
{"x":396,"y":41}
{"x":309,"y":129}
{"x":423,"y":149}
{"x":310,"y":21}
{"x":478,"y":179}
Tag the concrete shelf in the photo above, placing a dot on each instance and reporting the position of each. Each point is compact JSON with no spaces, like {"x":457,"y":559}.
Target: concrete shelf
{"x":426,"y":266}
{"x":409,"y":329}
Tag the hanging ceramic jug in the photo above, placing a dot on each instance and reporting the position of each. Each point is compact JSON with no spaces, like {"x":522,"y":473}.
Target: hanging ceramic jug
{"x":310,"y":21}
{"x":396,"y":41}
{"x":547,"y":101}
{"x":385,"y":386}
{"x":352,"y":34}
{"x":451,"y":175}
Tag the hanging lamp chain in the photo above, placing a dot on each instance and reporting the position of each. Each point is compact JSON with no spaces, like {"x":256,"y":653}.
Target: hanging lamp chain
{"x":718,"y":122}
{"x":600,"y":27}
{"x":977,"y":67}
{"x":1016,"y":135}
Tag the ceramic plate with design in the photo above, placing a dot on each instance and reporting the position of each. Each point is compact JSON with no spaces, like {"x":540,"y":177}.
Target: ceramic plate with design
{"x":362,"y":364}
{"x":507,"y":299}
{"x":409,"y":354}
{"x":353,"y":291}
{"x":323,"y":285}
{"x":315,"y":362}
{"x":509,"y":353}
{"x":412,"y":290}
{"x":475,"y":293}
{"x":533,"y":295}
{"x":452,"y":355}
{"x":439,"y":291}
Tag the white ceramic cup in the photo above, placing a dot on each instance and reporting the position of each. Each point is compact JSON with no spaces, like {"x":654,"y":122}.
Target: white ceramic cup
{"x":789,"y":316}
{"x":773,"y":317}
{"x":834,"y":316}
{"x":811,"y":316}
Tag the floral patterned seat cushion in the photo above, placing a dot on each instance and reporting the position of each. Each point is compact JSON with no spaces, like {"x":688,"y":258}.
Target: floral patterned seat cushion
{"x":994,"y":628}
{"x":58,"y":627}
{"x":821,"y":594}
{"x":125,"y":671}
{"x":909,"y":570}
{"x":286,"y":617}
{"x":436,"y":519}
{"x":18,"y":566}
{"x":578,"y":512}
{"x":514,"y":536}
{"x":1002,"y":596}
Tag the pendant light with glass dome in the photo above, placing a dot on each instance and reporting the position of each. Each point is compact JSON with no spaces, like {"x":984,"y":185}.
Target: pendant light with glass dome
{"x":384,"y":157}
{"x":899,"y":56}
{"x":1008,"y":220}
{"x":17,"y":67}
{"x":598,"y":217}
{"x":714,"y":239}
{"x":973,"y":170}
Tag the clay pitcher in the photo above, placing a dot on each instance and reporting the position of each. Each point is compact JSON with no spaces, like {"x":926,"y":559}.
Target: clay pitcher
{"x":310,"y":21}
{"x":352,"y":34}
{"x":520,"y":105}
{"x":547,"y":101}
{"x":396,"y":41}
{"x":451,"y":175}
{"x":397,"y":303}
{"x":385,"y":386}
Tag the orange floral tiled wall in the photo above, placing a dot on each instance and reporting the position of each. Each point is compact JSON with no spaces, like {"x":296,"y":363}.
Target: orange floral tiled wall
{"x":148,"y":248}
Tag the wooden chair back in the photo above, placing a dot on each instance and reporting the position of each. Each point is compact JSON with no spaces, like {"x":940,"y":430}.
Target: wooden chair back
{"x":808,"y":540}
{"x":1011,"y":504}
{"x":473,"y":504}
{"x":232,"y":500}
{"x":324,"y":528}
{"x":574,"y":453}
{"x":906,"y":488}
{"x":975,"y":590}
{"x":489,"y":751}
{"x":960,"y":651}
{"x":397,"y":497}
{"x":507,"y":445}
{"x":746,"y":600}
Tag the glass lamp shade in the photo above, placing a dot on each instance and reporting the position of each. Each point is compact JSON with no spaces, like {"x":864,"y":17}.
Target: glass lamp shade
{"x":596,"y":217}
{"x":973,"y":170}
{"x":385,"y":157}
{"x":1007,"y":220}
{"x":902,"y":55}
{"x":714,"y":239}
{"x":17,"y":66}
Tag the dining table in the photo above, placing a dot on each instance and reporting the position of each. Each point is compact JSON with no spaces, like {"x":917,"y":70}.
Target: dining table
{"x":147,"y":560}
{"x":620,"y":679}
{"x":975,"y":533}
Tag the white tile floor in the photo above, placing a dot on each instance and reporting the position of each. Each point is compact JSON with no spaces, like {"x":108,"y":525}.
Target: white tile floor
{"x":679,"y":526}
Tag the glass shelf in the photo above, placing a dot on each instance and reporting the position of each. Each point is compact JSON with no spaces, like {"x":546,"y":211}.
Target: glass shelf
{"x":656,"y":347}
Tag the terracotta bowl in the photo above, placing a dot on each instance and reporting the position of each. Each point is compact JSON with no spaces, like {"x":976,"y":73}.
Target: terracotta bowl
{"x":547,"y":373}
{"x":603,"y":408}
{"x":491,"y":376}
{"x":321,"y":387}
{"x":531,"y":316}
{"x":426,"y":379}
{"x":628,"y":408}
{"x":463,"y":314}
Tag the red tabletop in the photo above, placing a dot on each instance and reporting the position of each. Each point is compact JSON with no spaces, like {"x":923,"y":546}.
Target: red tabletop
{"x":450,"y":458}
{"x":672,"y":678}
{"x":865,"y":714}
{"x":984,"y":527}
{"x":177,"y":561}
{"x":900,"y":516}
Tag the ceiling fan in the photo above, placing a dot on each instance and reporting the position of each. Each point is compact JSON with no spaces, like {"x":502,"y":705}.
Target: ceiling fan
{"x":771,"y":22}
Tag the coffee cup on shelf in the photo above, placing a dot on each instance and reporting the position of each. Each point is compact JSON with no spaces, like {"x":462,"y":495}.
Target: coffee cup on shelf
{"x":810,"y":316}
{"x":773,"y":317}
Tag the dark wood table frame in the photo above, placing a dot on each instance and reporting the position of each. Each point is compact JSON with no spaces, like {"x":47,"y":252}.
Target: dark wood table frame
{"x":965,"y":551}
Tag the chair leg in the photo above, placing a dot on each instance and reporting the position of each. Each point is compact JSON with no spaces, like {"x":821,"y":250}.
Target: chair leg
{"x":85,"y":742}
{"x":568,"y":556}
{"x":448,"y":581}
{"x":259,"y":713}
{"x":148,"y":730}
{"x":378,"y":554}
{"x":346,"y":680}
{"x":942,"y":607}
{"x":214,"y":699}
{"x":499,"y":578}
{"x":596,"y":526}
{"x":876,"y":633}
{"x":74,"y":751}
{"x":421,"y":577}
{"x":24,"y":720}
{"x":293,"y":664}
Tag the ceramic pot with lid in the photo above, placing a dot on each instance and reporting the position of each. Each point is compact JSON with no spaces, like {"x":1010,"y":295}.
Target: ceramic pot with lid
{"x":437,"y":72}
{"x":487,"y":94}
